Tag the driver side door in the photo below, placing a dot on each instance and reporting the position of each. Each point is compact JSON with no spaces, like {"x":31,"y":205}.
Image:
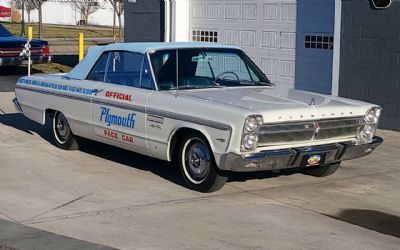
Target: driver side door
{"x":118,"y":106}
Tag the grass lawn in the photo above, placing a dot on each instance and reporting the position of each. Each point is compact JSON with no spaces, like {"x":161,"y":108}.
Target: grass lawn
{"x":61,"y":31}
{"x":49,"y":68}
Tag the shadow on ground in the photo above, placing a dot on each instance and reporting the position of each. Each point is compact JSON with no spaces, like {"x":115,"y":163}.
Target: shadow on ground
{"x":371,"y":219}
{"x":166,"y":170}
{"x":20,"y":122}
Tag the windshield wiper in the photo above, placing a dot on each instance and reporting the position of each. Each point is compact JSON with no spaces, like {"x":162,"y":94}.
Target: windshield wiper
{"x":256,"y":82}
{"x":197,"y":87}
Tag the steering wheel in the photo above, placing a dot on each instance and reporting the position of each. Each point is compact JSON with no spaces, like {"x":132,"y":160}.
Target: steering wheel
{"x":224,"y":73}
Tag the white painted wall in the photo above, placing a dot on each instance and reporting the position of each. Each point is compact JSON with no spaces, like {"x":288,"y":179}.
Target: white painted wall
{"x":64,"y":13}
{"x":180,"y":20}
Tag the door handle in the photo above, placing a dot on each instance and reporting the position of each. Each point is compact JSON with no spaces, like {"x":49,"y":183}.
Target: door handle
{"x":96,"y":91}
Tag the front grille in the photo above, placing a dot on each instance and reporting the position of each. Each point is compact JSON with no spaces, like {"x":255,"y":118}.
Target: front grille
{"x":297,"y":132}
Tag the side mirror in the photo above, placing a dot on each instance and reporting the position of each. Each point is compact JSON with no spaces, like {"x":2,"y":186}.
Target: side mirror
{"x":380,"y":4}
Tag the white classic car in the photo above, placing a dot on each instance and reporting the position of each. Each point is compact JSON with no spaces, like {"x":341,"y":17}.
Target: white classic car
{"x":207,"y":106}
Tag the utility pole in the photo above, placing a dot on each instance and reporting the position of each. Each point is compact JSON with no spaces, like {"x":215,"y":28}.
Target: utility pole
{"x":23,"y":18}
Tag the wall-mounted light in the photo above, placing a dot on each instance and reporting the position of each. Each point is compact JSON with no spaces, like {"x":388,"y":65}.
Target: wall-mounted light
{"x":380,"y":4}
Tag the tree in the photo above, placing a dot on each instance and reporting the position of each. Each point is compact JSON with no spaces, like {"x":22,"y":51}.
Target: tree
{"x":118,"y":6}
{"x":29,"y":7}
{"x":37,"y":4}
{"x":87,"y":8}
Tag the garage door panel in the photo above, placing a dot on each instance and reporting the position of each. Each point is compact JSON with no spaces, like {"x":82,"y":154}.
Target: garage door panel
{"x":272,"y":26}
{"x":265,"y":29}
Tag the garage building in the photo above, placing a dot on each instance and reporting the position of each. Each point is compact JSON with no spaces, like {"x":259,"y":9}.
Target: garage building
{"x":305,"y":44}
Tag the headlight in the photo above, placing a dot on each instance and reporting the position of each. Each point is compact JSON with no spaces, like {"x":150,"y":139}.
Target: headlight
{"x":372,"y":116}
{"x":371,"y":119}
{"x":367,"y":133}
{"x":250,"y":132}
{"x":250,"y":141}
{"x":251,"y":124}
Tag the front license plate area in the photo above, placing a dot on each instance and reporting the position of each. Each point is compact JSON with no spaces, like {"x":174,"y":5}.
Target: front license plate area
{"x":310,"y":160}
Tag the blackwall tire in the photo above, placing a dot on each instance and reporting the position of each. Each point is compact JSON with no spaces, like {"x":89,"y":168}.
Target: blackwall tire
{"x":322,"y":171}
{"x":198,"y":166}
{"x":62,"y":133}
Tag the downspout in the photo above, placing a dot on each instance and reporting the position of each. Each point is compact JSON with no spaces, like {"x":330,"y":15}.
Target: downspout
{"x":336,"y":48}
{"x":172,"y":21}
{"x":167,"y":20}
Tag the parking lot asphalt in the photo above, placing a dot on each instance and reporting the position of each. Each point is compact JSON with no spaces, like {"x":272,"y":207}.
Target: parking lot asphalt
{"x":115,"y":198}
{"x":9,"y":76}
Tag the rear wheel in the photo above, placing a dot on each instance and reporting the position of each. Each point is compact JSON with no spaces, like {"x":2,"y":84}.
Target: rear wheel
{"x":198,"y":166}
{"x":322,"y":171}
{"x":62,"y":133}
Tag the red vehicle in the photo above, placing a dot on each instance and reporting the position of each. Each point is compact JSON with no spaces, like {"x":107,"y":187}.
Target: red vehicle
{"x":11,"y":47}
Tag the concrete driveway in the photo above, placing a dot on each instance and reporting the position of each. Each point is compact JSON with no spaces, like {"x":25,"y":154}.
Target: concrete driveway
{"x":103,"y":197}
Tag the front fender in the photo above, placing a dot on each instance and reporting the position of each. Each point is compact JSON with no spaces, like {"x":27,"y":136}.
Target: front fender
{"x":218,"y":139}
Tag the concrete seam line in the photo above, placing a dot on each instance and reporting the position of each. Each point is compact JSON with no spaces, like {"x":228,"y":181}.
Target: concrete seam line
{"x":62,"y":205}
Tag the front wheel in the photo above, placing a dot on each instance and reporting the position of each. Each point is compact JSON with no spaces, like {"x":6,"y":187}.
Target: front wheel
{"x":198,"y":166}
{"x":62,"y":133}
{"x":322,"y":171}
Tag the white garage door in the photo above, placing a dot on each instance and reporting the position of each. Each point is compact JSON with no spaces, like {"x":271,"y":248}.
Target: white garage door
{"x":265,"y":29}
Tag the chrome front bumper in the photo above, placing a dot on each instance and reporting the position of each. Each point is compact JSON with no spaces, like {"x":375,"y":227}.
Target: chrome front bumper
{"x":294,"y":157}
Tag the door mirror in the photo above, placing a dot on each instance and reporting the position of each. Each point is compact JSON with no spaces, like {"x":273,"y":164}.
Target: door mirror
{"x":380,"y":4}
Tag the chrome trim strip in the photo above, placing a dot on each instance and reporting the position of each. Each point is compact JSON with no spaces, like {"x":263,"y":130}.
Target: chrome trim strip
{"x":312,"y":121}
{"x":187,"y":118}
{"x":136,"y":108}
{"x":17,"y":105}
{"x":83,"y":98}
{"x":155,"y":119}
{"x":11,"y":52}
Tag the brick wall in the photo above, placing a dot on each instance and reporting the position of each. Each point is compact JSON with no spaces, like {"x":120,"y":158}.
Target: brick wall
{"x":370,"y":57}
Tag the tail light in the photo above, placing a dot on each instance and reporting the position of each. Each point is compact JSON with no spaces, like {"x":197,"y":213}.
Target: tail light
{"x":46,"y":50}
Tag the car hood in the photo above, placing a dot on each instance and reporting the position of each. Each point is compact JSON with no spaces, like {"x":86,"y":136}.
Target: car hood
{"x":19,"y":41}
{"x":277,"y":104}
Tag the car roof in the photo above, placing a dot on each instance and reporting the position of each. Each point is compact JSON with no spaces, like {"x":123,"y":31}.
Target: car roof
{"x":81,"y":70}
{"x":153,"y":46}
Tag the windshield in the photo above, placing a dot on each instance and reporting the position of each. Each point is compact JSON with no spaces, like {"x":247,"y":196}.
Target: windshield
{"x":205,"y":68}
{"x":4,"y":31}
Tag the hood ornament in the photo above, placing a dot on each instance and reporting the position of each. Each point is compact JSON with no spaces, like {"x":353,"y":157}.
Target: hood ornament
{"x":312,"y":103}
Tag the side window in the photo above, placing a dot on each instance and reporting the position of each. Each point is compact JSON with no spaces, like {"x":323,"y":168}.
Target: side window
{"x":124,"y":68}
{"x":147,"y":79}
{"x":98,"y":71}
{"x":164,"y":66}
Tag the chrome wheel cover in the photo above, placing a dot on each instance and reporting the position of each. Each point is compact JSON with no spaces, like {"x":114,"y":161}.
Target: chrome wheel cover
{"x":62,"y":130}
{"x":196,"y":160}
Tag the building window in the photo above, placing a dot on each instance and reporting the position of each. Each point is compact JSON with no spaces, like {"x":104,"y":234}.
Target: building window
{"x":318,"y":42}
{"x":205,"y":36}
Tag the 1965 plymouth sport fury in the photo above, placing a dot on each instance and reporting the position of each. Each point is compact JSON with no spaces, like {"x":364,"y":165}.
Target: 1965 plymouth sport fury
{"x":207,"y":106}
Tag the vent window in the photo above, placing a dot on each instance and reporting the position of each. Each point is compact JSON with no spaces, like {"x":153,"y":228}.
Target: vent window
{"x":204,"y":36}
{"x":319,"y":42}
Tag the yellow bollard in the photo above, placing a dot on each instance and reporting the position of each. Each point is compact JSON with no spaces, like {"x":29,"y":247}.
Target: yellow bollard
{"x":30,"y":33}
{"x":81,"y":46}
